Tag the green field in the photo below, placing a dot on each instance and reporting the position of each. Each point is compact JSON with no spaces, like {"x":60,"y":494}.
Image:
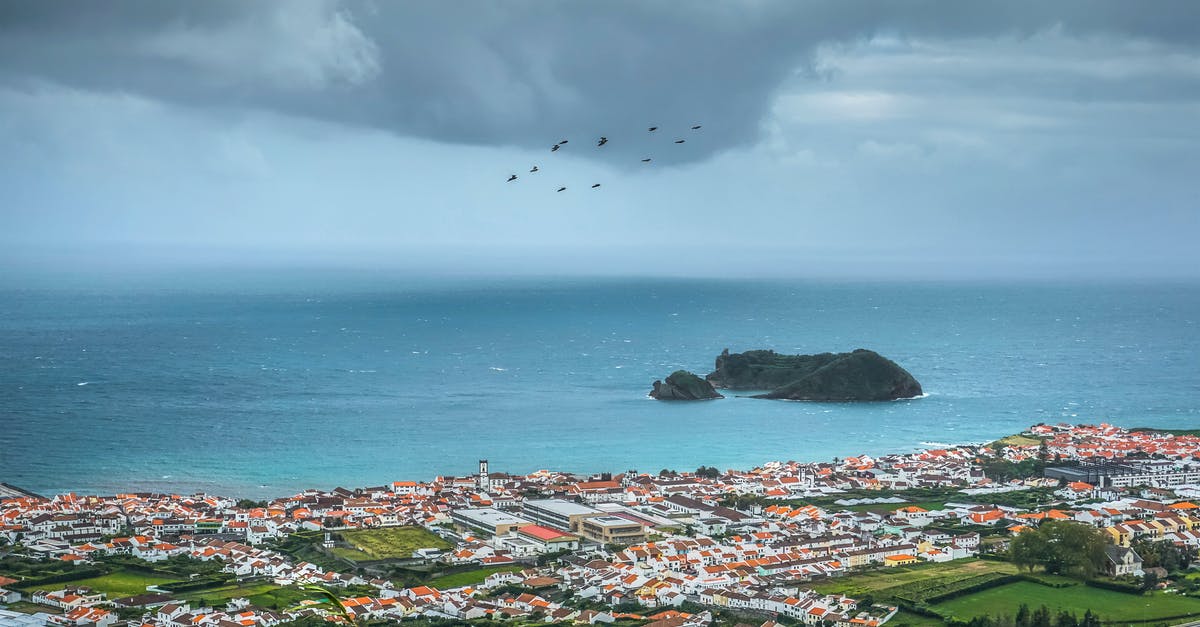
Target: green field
{"x":353,"y":555}
{"x":220,"y":594}
{"x":122,"y":583}
{"x":1110,"y":605}
{"x":393,"y":542}
{"x":1016,"y":440}
{"x":471,"y":577}
{"x":905,"y":618}
{"x":876,"y":582}
{"x":280,"y":598}
{"x":25,"y":607}
{"x":126,"y":583}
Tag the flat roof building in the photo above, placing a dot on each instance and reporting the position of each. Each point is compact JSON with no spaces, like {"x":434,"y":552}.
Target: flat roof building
{"x":613,"y":530}
{"x":1127,"y":473}
{"x":558,"y":514}
{"x":487,"y":520}
{"x":536,"y":539}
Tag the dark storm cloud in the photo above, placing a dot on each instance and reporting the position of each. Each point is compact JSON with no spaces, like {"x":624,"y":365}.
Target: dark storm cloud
{"x":521,"y":73}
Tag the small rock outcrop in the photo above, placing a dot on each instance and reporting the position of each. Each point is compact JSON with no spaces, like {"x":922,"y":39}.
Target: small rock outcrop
{"x":861,"y":375}
{"x":683,"y":386}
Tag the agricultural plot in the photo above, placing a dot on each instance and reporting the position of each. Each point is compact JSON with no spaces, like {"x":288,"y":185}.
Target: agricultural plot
{"x":393,"y":542}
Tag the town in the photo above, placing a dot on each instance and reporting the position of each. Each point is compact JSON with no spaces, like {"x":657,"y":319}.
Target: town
{"x":937,"y":536}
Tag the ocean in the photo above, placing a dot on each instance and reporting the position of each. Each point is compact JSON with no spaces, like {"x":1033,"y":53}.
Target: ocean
{"x":263,"y":387}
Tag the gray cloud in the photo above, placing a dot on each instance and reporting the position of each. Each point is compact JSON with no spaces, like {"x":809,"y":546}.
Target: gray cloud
{"x":520,"y":73}
{"x":873,"y":139}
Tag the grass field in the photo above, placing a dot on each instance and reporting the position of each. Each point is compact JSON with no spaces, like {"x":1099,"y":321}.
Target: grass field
{"x":121,"y":583}
{"x":876,"y":582}
{"x":25,"y":607}
{"x":1016,"y":440}
{"x":353,"y":555}
{"x":220,"y":594}
{"x":280,"y":598}
{"x":905,"y":618}
{"x":1110,"y":605}
{"x":393,"y":542}
{"x":127,"y":583}
{"x":471,"y":577}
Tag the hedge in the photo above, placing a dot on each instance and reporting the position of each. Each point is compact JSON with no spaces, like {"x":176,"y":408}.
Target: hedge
{"x":194,"y":584}
{"x":971,"y":589}
{"x":1042,"y":581}
{"x":78,"y":573}
{"x":1115,"y":586}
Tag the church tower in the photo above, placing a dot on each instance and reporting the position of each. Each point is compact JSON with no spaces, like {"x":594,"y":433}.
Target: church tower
{"x":485,"y":482}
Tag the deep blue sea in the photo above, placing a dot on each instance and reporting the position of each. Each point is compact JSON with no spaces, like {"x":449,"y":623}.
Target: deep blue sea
{"x":260,"y":388}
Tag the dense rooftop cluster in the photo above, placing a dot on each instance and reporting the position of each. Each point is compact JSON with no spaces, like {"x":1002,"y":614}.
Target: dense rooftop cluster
{"x":743,"y":540}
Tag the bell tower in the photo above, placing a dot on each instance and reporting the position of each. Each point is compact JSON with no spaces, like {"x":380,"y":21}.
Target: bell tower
{"x":485,"y":482}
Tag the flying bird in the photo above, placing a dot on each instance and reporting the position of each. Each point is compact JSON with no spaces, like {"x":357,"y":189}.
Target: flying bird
{"x":511,"y":178}
{"x":560,"y":189}
{"x":696,"y":127}
{"x":652,"y":129}
{"x":679,"y":141}
{"x":563,"y":141}
{"x":603,"y":140}
{"x":594,"y":186}
{"x":646,"y":160}
{"x":534,"y":169}
{"x":555,"y":148}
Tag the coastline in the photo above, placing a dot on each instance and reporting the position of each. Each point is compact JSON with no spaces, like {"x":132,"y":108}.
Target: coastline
{"x":168,"y":485}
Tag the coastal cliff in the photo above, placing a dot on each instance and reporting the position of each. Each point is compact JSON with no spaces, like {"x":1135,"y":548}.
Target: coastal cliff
{"x":682,"y":385}
{"x":861,"y":375}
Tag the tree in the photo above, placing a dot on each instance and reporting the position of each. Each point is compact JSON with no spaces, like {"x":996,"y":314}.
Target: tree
{"x":1040,"y":617}
{"x":1066,"y":619}
{"x":1164,"y":554}
{"x":1029,"y":549}
{"x":1022,"y":616}
{"x":1060,"y":547}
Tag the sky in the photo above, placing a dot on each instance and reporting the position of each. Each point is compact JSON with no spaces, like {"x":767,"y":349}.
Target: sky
{"x":839,"y":138}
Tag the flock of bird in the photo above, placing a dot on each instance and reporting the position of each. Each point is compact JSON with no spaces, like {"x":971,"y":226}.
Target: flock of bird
{"x":599,"y":144}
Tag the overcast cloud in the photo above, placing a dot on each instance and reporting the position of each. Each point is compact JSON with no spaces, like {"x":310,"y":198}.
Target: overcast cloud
{"x":839,"y":138}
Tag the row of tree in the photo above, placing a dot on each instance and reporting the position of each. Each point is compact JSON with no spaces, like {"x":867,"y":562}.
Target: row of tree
{"x":709,"y":472}
{"x":1040,"y":617}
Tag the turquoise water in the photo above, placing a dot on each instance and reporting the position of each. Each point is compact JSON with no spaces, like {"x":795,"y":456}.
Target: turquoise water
{"x":262,"y":388}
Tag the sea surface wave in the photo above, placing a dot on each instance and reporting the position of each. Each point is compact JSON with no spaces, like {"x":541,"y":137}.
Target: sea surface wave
{"x":270,"y":387}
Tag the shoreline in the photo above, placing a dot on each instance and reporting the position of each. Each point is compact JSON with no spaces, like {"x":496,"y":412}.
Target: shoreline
{"x":239,"y":492}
